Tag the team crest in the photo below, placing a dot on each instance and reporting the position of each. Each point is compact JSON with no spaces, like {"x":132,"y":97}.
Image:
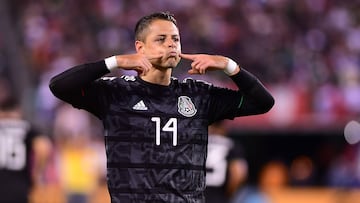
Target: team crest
{"x":186,"y":107}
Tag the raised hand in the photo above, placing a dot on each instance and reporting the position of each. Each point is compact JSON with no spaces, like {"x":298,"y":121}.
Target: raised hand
{"x":139,"y":62}
{"x":203,"y":62}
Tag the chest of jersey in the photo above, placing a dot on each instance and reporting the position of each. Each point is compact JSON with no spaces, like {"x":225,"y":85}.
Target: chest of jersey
{"x":157,"y":123}
{"x":171,"y":111}
{"x":156,"y":138}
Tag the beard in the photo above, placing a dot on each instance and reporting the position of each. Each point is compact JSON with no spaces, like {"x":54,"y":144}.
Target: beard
{"x":172,"y":62}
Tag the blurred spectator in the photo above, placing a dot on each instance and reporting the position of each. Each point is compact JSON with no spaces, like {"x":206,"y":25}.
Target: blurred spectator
{"x":344,"y":171}
{"x":302,"y":171}
{"x":81,"y":167}
{"x":273,"y":177}
{"x":226,"y":166}
{"x":24,"y":153}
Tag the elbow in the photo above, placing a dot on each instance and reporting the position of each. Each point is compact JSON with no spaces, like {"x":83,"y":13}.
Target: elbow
{"x":268,"y":104}
{"x":52,"y":86}
{"x":55,"y":87}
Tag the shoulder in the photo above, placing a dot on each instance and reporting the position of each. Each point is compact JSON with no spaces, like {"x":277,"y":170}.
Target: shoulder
{"x":116,"y":81}
{"x":196,"y":83}
{"x":123,"y":78}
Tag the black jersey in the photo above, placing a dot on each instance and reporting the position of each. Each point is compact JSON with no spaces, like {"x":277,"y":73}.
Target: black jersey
{"x":16,"y":138}
{"x":156,"y":136}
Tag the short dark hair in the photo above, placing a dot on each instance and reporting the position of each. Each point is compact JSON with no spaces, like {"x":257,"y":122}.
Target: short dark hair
{"x":145,"y":21}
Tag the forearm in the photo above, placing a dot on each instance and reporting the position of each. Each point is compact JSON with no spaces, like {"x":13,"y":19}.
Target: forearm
{"x":253,"y":90}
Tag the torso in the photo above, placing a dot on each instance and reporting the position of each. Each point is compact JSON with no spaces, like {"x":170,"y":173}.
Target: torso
{"x":160,"y":133}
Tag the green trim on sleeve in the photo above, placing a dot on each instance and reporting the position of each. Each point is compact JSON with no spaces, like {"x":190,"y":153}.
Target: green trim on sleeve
{"x":241,"y":102}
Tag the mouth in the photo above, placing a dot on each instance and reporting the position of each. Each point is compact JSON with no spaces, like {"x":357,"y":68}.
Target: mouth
{"x":172,"y":54}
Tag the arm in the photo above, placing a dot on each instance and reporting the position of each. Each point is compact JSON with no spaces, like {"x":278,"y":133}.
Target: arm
{"x":69,"y":84}
{"x":253,"y":97}
{"x":81,"y":76}
{"x":78,"y":85}
{"x":73,"y":80}
{"x":256,"y":99}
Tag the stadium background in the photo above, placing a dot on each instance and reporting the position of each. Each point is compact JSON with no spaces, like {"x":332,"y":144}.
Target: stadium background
{"x":306,"y":52}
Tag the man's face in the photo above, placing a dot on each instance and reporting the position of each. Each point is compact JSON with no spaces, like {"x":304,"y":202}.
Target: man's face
{"x":161,"y":37}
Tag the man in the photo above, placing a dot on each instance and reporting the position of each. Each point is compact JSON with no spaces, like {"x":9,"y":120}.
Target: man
{"x":226,"y":166}
{"x":156,"y":126}
{"x":23,"y":154}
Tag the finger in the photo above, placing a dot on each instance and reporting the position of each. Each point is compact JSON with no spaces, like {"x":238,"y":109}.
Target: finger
{"x":139,"y":71}
{"x":143,"y":71}
{"x":188,"y":56}
{"x":146,"y":67}
{"x":193,"y":72}
{"x":146,"y":64}
{"x":195,"y":65}
{"x":202,"y":70}
{"x":200,"y":66}
{"x":143,"y":67}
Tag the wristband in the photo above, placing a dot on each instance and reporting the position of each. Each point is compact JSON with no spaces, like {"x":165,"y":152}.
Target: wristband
{"x":231,"y":67}
{"x":111,"y":63}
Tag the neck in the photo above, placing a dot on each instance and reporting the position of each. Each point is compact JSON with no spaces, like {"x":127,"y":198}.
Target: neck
{"x":156,"y":76}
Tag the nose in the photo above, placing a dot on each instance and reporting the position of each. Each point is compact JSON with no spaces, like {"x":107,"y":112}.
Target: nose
{"x":171,"y":43}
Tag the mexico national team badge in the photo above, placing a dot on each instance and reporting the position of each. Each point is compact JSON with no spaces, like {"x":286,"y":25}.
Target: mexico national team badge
{"x":186,"y":107}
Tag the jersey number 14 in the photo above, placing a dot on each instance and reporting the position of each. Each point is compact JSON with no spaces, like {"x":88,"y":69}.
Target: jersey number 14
{"x":170,"y":126}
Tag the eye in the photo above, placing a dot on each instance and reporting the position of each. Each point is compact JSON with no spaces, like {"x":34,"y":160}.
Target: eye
{"x":161,"y":39}
{"x":176,"y":39}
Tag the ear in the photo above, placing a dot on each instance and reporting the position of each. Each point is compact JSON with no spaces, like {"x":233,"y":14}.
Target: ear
{"x":139,"y":46}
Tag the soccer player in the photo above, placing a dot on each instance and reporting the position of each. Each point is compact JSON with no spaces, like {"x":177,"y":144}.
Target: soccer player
{"x":226,"y":167}
{"x":23,"y":154}
{"x":156,"y":126}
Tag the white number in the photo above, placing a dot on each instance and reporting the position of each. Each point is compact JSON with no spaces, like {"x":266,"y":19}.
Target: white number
{"x":216,"y":160}
{"x":12,"y":149}
{"x":170,"y":126}
{"x":157,"y":129}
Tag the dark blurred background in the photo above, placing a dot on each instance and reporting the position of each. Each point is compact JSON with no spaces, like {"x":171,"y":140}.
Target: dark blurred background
{"x":306,"y":52}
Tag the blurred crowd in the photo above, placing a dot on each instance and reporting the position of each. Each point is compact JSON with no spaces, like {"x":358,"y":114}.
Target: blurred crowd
{"x":307,"y":52}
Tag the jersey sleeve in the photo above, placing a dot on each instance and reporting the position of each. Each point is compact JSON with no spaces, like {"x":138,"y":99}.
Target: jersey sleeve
{"x":223,"y":103}
{"x":94,"y":97}
{"x":82,"y":87}
{"x":251,"y":98}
